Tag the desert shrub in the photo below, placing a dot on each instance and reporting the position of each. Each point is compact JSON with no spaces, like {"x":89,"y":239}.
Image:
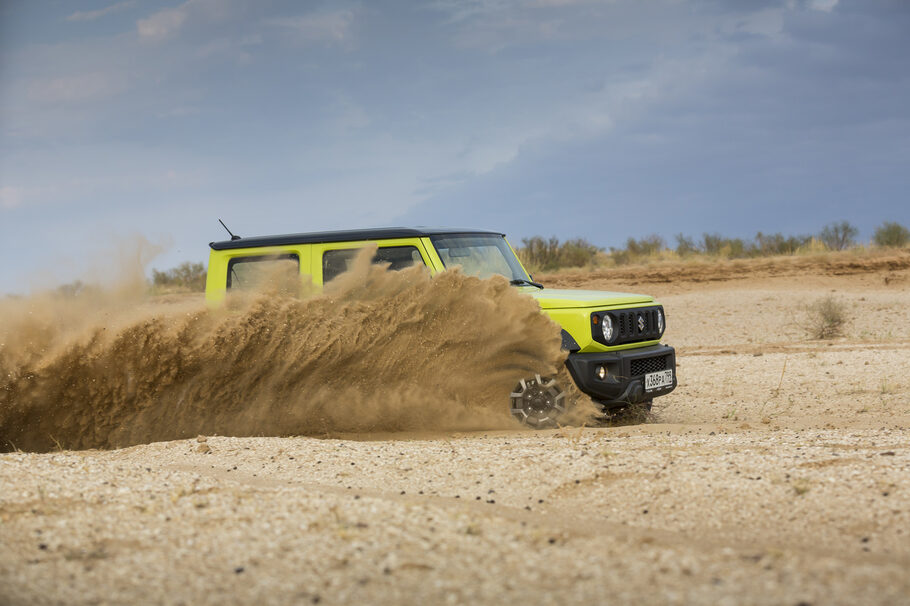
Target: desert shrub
{"x":839,"y":236}
{"x":186,"y":276}
{"x":891,"y":234}
{"x":548,"y":254}
{"x":767,"y":245}
{"x":719,"y":246}
{"x":538,"y":253}
{"x":638,"y":249}
{"x":814,"y":245}
{"x":577,"y":253}
{"x":826,"y":318}
{"x":645,"y":246}
{"x":685,"y":246}
{"x":712,"y":243}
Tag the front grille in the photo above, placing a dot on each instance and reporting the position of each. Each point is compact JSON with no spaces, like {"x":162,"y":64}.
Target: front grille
{"x":631,"y":325}
{"x":643,"y":366}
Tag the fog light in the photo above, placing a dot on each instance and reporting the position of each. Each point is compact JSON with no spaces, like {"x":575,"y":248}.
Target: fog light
{"x":601,"y":372}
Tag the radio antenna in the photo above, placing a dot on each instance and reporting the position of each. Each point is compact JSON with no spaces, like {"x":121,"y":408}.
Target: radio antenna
{"x":233,"y":237}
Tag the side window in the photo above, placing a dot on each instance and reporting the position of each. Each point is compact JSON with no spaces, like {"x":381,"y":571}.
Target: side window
{"x":398,"y":257}
{"x":249,"y":273}
{"x":335,"y":262}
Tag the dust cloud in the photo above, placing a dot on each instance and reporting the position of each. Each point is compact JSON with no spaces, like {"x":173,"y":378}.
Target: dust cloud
{"x":378,"y":351}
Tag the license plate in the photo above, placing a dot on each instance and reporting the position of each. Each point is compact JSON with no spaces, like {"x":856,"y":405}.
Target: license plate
{"x":656,"y":380}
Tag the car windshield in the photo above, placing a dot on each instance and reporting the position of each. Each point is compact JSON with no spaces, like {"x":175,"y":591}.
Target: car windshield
{"x":479,"y":255}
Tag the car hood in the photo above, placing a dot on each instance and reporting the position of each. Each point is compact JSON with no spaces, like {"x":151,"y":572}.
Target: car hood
{"x":554,"y":298}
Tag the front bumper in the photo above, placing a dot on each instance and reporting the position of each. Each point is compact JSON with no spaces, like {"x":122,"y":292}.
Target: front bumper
{"x":624,"y":383}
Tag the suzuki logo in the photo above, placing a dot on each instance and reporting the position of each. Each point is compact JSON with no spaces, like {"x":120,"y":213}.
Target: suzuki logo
{"x":641,"y":323}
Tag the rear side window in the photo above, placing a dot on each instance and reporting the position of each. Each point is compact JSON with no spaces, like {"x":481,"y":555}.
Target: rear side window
{"x":336,"y":262}
{"x":249,"y":273}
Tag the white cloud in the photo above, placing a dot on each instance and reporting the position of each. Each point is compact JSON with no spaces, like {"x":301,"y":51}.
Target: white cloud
{"x":10,"y":197}
{"x":318,"y":27}
{"x":823,"y":5}
{"x":101,"y":12}
{"x":464,"y":10}
{"x":166,"y":23}
{"x":768,"y":22}
{"x":163,"y":24}
{"x":460,"y":10}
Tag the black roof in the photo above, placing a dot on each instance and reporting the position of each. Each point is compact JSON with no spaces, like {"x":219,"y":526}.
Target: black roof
{"x":381,"y":233}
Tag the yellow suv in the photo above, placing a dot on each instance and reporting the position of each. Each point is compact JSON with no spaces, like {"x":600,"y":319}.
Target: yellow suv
{"x":613,"y":339}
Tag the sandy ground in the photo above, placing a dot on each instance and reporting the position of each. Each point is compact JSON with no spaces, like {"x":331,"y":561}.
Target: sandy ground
{"x":778,"y":473}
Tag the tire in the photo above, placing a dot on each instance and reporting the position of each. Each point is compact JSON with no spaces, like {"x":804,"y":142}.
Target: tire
{"x":538,"y":402}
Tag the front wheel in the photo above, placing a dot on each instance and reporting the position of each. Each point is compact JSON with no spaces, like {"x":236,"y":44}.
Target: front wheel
{"x":538,"y":402}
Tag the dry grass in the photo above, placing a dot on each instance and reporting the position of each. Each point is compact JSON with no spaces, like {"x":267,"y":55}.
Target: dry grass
{"x":633,"y":414}
{"x":826,"y":318}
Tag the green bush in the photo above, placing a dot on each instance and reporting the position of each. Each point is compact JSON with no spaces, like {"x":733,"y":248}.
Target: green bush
{"x":892,"y":235}
{"x":186,"y":276}
{"x":839,"y":236}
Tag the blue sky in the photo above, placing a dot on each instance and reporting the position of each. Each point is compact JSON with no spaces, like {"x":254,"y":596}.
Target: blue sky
{"x":590,"y":119}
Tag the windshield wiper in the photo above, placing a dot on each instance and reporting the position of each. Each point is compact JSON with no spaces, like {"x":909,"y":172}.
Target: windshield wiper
{"x":523,"y":282}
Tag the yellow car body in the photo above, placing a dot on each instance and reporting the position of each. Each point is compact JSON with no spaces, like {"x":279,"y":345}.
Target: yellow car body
{"x":612,"y":373}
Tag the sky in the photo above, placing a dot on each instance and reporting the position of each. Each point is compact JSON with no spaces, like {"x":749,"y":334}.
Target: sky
{"x":123,"y":120}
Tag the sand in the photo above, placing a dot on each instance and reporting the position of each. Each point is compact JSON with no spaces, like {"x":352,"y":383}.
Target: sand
{"x":777,"y":473}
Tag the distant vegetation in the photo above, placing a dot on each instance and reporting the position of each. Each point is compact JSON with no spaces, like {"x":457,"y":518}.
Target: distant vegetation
{"x":891,"y":234}
{"x":539,"y":254}
{"x":550,"y":254}
{"x":839,"y":236}
{"x":185,"y":277}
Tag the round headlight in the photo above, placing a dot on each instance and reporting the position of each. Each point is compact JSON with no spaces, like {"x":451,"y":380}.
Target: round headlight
{"x":606,"y":325}
{"x":660,"y":321}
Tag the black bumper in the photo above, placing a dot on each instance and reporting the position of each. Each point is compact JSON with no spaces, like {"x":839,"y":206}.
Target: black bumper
{"x":624,"y":383}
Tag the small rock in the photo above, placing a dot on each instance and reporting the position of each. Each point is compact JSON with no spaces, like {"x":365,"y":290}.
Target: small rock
{"x":201,"y":439}
{"x":204,"y":448}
